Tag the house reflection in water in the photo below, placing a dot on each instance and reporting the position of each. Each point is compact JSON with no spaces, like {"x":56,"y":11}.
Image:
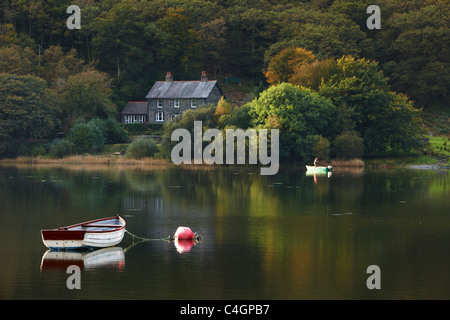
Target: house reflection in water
{"x":140,"y":203}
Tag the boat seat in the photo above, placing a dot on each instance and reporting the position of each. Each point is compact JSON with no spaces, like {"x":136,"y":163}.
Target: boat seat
{"x":101,"y":225}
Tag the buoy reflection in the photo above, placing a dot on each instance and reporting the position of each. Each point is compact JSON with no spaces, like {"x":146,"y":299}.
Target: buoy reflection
{"x":184,"y":246}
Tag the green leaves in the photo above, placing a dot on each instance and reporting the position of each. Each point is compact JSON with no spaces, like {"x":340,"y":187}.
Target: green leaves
{"x":299,"y":113}
{"x":359,"y":90}
{"x":25,"y":108}
{"x":414,"y":52}
{"x":86,"y":96}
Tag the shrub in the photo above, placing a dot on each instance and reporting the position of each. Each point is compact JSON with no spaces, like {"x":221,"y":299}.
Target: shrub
{"x":38,"y":151}
{"x":321,"y":148}
{"x":348,"y":145}
{"x":205,"y":113}
{"x":111,"y":130}
{"x":142,"y":148}
{"x":87,"y":137}
{"x":60,"y":148}
{"x":8,"y":149}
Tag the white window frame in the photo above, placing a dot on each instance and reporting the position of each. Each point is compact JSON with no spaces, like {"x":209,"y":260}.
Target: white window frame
{"x":159,"y":116}
{"x":193,"y":103}
{"x":159,"y":103}
{"x":173,"y":116}
{"x":134,"y":119}
{"x":176,"y":103}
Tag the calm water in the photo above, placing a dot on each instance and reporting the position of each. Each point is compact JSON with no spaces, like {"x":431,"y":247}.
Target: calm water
{"x":289,"y":236}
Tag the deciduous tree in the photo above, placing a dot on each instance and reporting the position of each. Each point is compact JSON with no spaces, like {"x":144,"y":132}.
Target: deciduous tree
{"x":299,"y":114}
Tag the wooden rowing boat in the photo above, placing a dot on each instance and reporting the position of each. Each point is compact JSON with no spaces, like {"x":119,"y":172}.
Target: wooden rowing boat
{"x":319,"y":169}
{"x":99,"y":233}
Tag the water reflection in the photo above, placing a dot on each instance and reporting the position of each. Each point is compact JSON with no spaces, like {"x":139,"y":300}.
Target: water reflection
{"x":184,"y":246}
{"x":288,"y":236}
{"x":316,"y":175}
{"x":111,"y":258}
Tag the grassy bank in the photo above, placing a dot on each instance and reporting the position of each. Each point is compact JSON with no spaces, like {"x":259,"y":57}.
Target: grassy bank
{"x":438,"y":153}
{"x":440,"y":146}
{"x":87,"y":159}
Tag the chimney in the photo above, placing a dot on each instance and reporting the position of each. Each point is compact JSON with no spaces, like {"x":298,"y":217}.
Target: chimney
{"x":169,"y":77}
{"x":204,"y":76}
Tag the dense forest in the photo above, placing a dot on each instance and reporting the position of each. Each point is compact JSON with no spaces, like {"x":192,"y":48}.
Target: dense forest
{"x":123,"y":46}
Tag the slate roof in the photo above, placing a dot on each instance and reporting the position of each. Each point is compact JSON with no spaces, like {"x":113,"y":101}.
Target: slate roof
{"x":181,"y":89}
{"x":135,"y":108}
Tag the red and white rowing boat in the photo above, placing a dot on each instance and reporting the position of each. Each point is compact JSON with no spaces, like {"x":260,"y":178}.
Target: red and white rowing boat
{"x":100,"y":233}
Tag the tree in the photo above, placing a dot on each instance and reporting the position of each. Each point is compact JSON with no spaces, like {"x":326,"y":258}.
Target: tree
{"x":414,"y":52}
{"x":86,"y":137}
{"x":60,"y":148}
{"x":356,"y":9}
{"x":213,"y":38}
{"x":321,"y":147}
{"x":238,"y":117}
{"x":111,"y":130}
{"x":384,"y":119}
{"x":118,"y":41}
{"x":326,"y":34}
{"x":57,"y":66}
{"x":180,"y":45}
{"x":259,"y":30}
{"x":8,"y":34}
{"x":282,"y":66}
{"x":348,"y":145}
{"x":17,"y":60}
{"x":27,"y":109}
{"x":86,"y":95}
{"x":142,"y":148}
{"x":223,"y":108}
{"x":311,"y":75}
{"x":299,"y":114}
{"x":205,"y":114}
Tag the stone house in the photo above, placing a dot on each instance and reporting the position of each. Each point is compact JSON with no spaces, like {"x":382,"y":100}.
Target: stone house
{"x":169,"y":99}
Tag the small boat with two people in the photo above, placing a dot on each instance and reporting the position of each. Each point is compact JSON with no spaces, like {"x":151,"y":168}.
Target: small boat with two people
{"x":316,"y":168}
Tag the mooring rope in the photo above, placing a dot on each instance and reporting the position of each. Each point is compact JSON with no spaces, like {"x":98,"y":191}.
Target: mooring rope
{"x":146,"y":239}
{"x":169,"y":238}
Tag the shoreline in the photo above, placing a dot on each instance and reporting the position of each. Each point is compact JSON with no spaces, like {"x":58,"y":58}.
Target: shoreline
{"x":121,"y":161}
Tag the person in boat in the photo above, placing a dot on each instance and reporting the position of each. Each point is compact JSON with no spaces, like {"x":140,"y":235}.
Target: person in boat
{"x":316,"y":162}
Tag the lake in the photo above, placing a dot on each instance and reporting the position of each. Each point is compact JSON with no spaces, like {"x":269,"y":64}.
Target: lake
{"x":291,"y":236}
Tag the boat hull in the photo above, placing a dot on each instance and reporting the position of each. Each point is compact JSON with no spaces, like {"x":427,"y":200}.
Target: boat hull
{"x":319,"y":169}
{"x":100,"y":233}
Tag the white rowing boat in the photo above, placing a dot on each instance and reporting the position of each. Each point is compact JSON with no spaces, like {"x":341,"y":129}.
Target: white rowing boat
{"x":319,"y":169}
{"x":99,"y":233}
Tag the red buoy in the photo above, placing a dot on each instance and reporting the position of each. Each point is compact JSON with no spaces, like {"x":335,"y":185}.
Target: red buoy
{"x":184,"y":233}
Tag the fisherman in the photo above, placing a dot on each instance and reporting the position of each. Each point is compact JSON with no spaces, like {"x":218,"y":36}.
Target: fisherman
{"x":316,"y":162}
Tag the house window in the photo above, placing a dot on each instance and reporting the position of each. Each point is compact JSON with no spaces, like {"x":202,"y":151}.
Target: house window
{"x":159,"y":103}
{"x":130,"y":119}
{"x":134,"y":119}
{"x":194,"y":103}
{"x":159,"y":116}
{"x":174,"y":116}
{"x":176,"y":103}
